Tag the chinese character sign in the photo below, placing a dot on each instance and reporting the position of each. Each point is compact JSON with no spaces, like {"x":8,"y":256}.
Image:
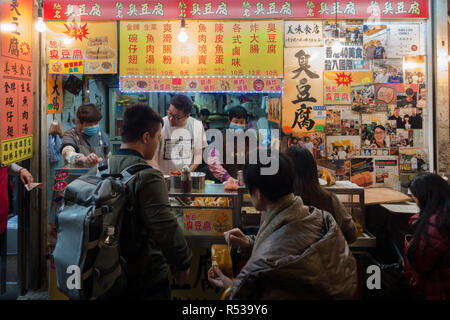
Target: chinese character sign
{"x":16,"y":92}
{"x":232,"y":9}
{"x":303,"y":34}
{"x":213,"y":48}
{"x":303,"y":85}
{"x":82,"y":47}
{"x":54,"y":93}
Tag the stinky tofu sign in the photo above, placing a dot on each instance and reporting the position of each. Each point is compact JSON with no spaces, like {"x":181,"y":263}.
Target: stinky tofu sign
{"x":16,"y":96}
{"x":232,"y":9}
{"x":302,"y":94}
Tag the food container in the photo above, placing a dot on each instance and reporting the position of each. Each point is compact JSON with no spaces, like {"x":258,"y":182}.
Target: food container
{"x":198,"y":181}
{"x":175,"y":183}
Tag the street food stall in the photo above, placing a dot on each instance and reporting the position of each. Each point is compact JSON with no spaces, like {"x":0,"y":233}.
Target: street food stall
{"x":347,"y":80}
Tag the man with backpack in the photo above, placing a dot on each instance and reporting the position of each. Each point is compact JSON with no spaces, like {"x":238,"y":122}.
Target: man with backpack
{"x":116,"y":230}
{"x":151,"y":238}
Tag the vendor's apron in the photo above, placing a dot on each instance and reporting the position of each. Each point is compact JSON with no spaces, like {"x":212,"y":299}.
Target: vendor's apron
{"x":85,"y":147}
{"x":4,"y":200}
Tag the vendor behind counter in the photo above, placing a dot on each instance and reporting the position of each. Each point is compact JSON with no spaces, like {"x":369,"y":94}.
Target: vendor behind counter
{"x":86,"y":144}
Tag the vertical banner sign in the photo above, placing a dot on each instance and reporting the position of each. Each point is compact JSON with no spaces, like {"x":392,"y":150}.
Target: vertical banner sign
{"x":303,"y":83}
{"x":54,"y":93}
{"x":16,"y":97}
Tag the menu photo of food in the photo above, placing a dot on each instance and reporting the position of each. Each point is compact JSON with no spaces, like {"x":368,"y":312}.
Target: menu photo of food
{"x":363,"y":97}
{"x":361,"y":171}
{"x":100,"y":58}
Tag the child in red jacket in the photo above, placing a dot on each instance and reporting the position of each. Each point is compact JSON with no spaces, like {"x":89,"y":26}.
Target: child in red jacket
{"x":427,"y":255}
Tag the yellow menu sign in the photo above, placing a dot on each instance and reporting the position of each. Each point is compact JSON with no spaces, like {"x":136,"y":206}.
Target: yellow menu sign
{"x":212,"y":49}
{"x":16,"y":150}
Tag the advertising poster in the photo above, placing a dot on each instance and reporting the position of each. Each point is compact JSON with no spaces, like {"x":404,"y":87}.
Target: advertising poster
{"x":341,"y":56}
{"x":333,"y":126}
{"x":415,"y":69}
{"x":362,"y":171}
{"x":341,"y":121}
{"x":343,"y":147}
{"x":338,"y":85}
{"x":303,"y":34}
{"x":363,"y":97}
{"x":350,"y":123}
{"x":385,"y":94}
{"x":413,"y":160}
{"x":303,"y":84}
{"x":75,"y":47}
{"x":373,"y":131}
{"x":375,"y":41}
{"x":375,"y":172}
{"x":406,"y":40}
{"x":422,"y":98}
{"x":407,"y":95}
{"x":388,"y":71}
{"x":313,"y":141}
{"x":16,"y":75}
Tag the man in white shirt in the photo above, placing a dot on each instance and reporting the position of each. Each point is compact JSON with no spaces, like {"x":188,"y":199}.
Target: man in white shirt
{"x":182,"y":138}
{"x":342,"y":155}
{"x":382,"y":77}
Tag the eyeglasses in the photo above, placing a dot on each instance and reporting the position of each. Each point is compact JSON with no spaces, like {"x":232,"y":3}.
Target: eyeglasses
{"x":176,"y":117}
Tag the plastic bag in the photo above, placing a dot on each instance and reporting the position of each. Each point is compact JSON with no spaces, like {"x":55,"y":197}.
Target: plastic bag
{"x":221,"y":257}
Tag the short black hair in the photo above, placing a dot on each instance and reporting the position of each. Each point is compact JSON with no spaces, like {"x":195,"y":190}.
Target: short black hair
{"x":238,"y":112}
{"x":182,"y":102}
{"x":205,"y":112}
{"x":273,"y":187}
{"x":88,"y":113}
{"x":409,"y":91}
{"x":381,"y":127}
{"x":139,"y":118}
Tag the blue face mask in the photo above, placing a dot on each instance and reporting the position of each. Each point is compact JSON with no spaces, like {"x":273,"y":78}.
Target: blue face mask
{"x":90,"y":131}
{"x":236,"y":127}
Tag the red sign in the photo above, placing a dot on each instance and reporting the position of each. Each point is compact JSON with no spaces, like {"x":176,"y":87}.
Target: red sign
{"x":16,"y":92}
{"x":233,"y":9}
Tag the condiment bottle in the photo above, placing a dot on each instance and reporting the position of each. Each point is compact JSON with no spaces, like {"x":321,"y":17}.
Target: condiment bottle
{"x":186,"y":180}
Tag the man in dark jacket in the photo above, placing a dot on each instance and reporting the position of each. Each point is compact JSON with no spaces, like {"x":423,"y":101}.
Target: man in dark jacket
{"x":151,"y":238}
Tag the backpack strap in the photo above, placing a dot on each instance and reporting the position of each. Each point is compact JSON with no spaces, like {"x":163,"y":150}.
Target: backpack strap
{"x":103,"y":168}
{"x":129,"y":172}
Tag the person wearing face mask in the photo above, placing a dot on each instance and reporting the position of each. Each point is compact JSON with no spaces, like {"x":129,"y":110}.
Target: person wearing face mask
{"x":222,"y":170}
{"x":86,"y":144}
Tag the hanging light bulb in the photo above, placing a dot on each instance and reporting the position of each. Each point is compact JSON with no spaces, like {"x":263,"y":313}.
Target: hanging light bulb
{"x":182,"y":35}
{"x":337,"y":46}
{"x":8,"y":27}
{"x":40,"y":25}
{"x":67,"y":41}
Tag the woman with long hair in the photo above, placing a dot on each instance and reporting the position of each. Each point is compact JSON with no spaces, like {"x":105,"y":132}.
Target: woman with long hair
{"x":427,"y":255}
{"x":307,"y":186}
